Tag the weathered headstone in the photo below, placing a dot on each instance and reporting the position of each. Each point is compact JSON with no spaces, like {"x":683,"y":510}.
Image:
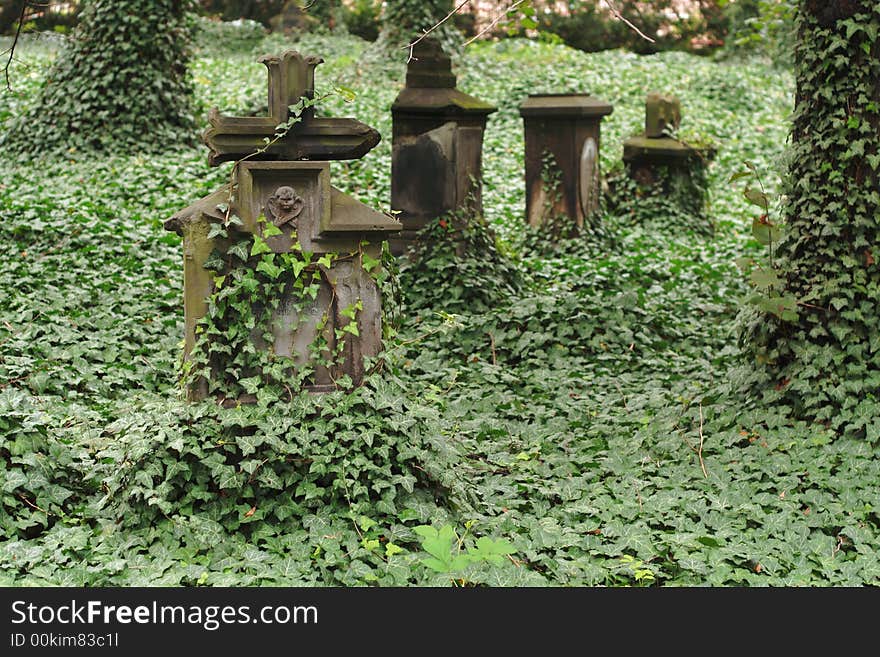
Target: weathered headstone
{"x":562,"y":133}
{"x":292,"y":208}
{"x":437,"y":144}
{"x":646,"y":154}
{"x":662,"y":115}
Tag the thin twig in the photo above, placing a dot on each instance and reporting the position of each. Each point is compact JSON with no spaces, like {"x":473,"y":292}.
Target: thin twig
{"x":492,"y":345}
{"x":21,"y":16}
{"x":33,"y":506}
{"x":412,"y":45}
{"x":616,"y":13}
{"x":494,"y":22}
{"x":700,"y":452}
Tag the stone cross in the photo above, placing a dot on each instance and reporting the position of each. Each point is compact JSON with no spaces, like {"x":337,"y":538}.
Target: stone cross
{"x":292,"y":206}
{"x":291,"y":77}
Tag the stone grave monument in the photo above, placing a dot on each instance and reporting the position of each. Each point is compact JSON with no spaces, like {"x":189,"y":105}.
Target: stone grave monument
{"x":280,"y":198}
{"x":645,"y":155}
{"x":437,"y":144}
{"x":562,"y":132}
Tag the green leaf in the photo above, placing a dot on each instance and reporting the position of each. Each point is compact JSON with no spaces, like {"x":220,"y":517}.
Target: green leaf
{"x":437,"y":543}
{"x":740,"y":175}
{"x":765,"y":231}
{"x":239,"y":250}
{"x":784,"y":307}
{"x":764,"y":278}
{"x":269,"y":268}
{"x":259,"y":246}
{"x":391,"y":549}
{"x":347,"y":94}
{"x":217,"y":230}
{"x":757,"y":197}
{"x":250,"y":384}
{"x":270,"y":230}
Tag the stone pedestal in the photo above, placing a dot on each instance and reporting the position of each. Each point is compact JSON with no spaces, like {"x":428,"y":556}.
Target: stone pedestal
{"x":562,"y":130}
{"x":436,"y":164}
{"x":326,"y":221}
{"x":656,"y":154}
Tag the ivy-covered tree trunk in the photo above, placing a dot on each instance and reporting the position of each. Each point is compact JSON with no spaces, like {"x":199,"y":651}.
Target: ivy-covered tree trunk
{"x":825,"y":364}
{"x":122,"y":82}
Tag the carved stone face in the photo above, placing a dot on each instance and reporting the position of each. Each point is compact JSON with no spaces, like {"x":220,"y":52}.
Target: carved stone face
{"x":285,"y":206}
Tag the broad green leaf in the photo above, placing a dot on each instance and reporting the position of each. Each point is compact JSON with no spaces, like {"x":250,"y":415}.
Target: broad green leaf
{"x":765,"y":232}
{"x":259,"y":246}
{"x":764,"y":278}
{"x":757,"y":197}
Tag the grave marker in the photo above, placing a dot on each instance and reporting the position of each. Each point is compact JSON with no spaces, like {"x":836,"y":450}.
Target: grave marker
{"x":564,"y":127}
{"x":436,"y":164}
{"x":656,"y":148}
{"x":292,"y":207}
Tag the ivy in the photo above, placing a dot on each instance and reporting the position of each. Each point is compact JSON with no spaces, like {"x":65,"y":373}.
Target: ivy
{"x":122,"y":83}
{"x":565,"y":414}
{"x":821,"y":357}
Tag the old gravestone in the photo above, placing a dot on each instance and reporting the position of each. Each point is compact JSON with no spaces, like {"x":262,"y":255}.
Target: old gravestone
{"x":437,"y":144}
{"x":562,"y":155}
{"x":283,"y":194}
{"x":656,"y":153}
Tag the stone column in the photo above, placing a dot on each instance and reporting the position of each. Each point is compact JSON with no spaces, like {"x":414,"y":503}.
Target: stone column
{"x":437,"y":146}
{"x":562,"y":130}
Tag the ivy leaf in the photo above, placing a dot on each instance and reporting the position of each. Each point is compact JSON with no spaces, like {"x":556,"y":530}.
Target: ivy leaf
{"x":239,"y":250}
{"x":259,"y":246}
{"x":268,"y":267}
{"x":270,"y":230}
{"x":250,"y":384}
{"x":217,"y":230}
{"x":391,"y":549}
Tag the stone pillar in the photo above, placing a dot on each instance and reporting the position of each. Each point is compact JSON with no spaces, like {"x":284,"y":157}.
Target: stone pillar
{"x":564,"y":127}
{"x":437,"y":144}
{"x":647,"y":155}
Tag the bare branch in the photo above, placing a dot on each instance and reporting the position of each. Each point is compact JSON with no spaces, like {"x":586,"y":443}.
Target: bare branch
{"x":494,"y":22}
{"x":700,"y":453}
{"x":21,"y":17}
{"x":452,"y":13}
{"x":616,"y":13}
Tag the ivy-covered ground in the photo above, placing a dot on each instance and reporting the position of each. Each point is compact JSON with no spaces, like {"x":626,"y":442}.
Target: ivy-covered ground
{"x":546,"y":416}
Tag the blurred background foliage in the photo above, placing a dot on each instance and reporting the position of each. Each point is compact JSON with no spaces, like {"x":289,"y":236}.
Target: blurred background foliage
{"x":710,"y":27}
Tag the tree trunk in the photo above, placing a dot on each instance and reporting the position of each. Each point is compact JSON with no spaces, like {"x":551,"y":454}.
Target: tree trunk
{"x":826,"y":363}
{"x":121,"y":84}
